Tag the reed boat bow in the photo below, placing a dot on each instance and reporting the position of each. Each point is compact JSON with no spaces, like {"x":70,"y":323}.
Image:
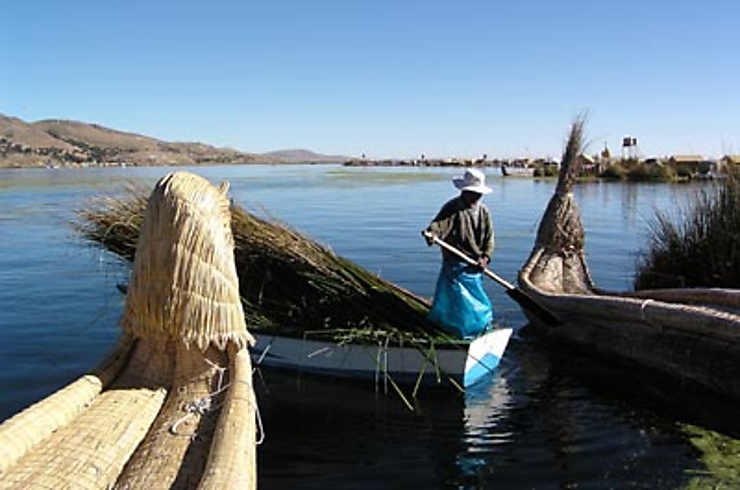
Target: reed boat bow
{"x":687,"y":335}
{"x":173,"y":404}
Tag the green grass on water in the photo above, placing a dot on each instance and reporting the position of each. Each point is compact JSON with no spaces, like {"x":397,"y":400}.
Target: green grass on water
{"x":721,"y":457}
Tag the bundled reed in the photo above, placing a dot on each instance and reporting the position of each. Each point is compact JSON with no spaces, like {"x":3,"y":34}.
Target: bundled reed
{"x":172,"y":406}
{"x":288,"y":283}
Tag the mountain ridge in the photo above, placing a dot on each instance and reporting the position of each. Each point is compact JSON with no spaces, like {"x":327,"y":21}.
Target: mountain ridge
{"x":69,"y":143}
{"x":304,"y":155}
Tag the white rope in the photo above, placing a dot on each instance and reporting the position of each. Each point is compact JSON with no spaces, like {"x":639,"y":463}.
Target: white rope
{"x":643,"y":305}
{"x":261,"y":436}
{"x":260,"y":428}
{"x":203,"y":405}
{"x":385,"y":364}
{"x":221,"y":371}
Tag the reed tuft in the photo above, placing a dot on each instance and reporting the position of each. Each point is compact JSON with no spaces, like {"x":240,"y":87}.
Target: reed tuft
{"x":700,"y":247}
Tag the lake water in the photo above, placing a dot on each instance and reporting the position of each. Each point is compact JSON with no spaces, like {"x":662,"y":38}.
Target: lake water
{"x":546,"y":420}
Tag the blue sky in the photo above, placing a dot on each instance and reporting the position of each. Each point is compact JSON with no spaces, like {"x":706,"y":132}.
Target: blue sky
{"x":388,"y":78}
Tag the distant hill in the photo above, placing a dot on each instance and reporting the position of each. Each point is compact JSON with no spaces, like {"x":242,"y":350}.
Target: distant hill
{"x":305,"y":156}
{"x":56,"y":142}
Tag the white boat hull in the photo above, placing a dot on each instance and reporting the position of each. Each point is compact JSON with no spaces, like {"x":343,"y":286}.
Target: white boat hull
{"x":508,"y":171}
{"x":463,"y":364}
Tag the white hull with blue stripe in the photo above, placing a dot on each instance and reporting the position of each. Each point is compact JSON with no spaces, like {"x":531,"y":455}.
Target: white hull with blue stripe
{"x":463,"y":363}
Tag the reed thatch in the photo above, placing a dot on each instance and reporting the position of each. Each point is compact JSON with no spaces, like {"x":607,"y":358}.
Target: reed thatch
{"x":288,"y":283}
{"x":184,"y":283}
{"x":561,"y":235}
{"x":173,"y":405}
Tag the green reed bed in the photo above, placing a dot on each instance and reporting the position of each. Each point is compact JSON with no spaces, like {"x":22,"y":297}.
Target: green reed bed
{"x":698,"y":248}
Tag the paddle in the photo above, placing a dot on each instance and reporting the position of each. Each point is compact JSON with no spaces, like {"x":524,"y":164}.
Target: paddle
{"x":522,"y":298}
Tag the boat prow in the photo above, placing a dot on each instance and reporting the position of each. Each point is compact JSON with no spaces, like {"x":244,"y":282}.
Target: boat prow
{"x":689,"y":336}
{"x":173,"y":405}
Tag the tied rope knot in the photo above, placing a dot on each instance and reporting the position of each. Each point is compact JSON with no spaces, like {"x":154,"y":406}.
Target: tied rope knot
{"x":203,"y":405}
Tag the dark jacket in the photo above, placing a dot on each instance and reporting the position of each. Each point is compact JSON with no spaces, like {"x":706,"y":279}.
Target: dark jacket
{"x":466,"y":227}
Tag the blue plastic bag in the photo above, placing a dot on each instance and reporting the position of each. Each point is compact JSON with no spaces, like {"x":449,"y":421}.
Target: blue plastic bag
{"x":461,"y":306}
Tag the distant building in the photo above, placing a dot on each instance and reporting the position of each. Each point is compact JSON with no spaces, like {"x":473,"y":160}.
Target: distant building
{"x":606,"y":155}
{"x":696,"y":165}
{"x":690,"y":160}
{"x":730,"y":160}
{"x":589,"y":165}
{"x":629,"y":148}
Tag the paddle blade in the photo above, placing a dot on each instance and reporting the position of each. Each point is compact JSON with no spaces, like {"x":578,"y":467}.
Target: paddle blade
{"x":533,"y":307}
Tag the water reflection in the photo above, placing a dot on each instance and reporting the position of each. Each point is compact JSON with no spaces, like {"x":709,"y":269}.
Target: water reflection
{"x":325,"y":433}
{"x":486,"y":406}
{"x":532,"y":425}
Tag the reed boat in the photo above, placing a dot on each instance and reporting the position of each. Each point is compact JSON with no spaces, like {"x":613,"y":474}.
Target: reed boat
{"x":690,"y":336}
{"x":173,"y":404}
{"x":421,"y":362}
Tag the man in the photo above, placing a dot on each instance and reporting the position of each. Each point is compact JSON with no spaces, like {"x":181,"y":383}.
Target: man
{"x":461,"y":305}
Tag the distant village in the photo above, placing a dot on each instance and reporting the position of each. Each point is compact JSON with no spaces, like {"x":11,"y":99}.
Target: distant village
{"x":629,"y":165}
{"x":134,"y":150}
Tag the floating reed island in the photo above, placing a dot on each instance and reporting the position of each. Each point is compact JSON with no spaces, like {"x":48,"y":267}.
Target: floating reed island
{"x":288,"y":284}
{"x":173,"y":405}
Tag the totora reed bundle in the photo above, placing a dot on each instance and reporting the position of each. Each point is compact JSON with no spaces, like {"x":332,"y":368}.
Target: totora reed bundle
{"x":172,"y":406}
{"x":288,"y":283}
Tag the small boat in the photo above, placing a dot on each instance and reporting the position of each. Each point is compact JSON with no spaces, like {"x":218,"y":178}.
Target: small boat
{"x":173,"y":405}
{"x":452,"y":363}
{"x":446,"y":363}
{"x":516,"y":171}
{"x":689,"y":336}
{"x":423,"y":361}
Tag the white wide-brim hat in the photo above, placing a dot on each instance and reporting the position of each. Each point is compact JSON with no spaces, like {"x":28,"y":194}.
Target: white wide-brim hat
{"x":473,"y":180}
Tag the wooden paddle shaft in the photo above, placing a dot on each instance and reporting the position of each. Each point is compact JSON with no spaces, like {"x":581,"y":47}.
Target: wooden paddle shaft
{"x":467,"y":259}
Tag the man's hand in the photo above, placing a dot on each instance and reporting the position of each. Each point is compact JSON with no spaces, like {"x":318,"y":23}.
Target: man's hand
{"x":483,"y":262}
{"x":429,"y":236}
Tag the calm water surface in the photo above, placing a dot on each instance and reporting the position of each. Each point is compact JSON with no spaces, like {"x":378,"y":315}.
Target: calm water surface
{"x":547,"y":420}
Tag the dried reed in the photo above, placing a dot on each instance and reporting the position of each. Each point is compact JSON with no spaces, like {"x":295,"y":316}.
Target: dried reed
{"x":287,"y":282}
